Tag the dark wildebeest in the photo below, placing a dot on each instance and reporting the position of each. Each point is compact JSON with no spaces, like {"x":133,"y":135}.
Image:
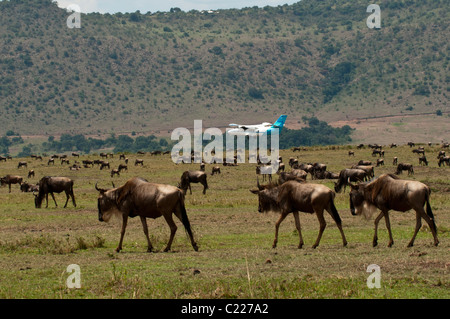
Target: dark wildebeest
{"x":260,"y":169}
{"x":51,"y":160}
{"x":444,"y":160}
{"x":388,"y":192}
{"x":189,"y":177}
{"x":22,"y":164}
{"x":75,"y":155}
{"x":115,"y":171}
{"x":122,"y":167}
{"x":139,"y":162}
{"x":368,"y":169}
{"x":294,"y":196}
{"x":365,"y":163}
{"x":395,"y":161}
{"x":393,"y":145}
{"x":28,"y":188}
{"x":202,"y":167}
{"x":295,"y":149}
{"x":86,"y":163}
{"x":289,"y":176}
{"x":349,"y":175}
{"x":411,"y":144}
{"x":2,"y":158}
{"x":11,"y":179}
{"x":419,"y":151}
{"x":360,"y":146}
{"x":404,"y":167}
{"x":379,"y":152}
{"x":380,"y":162}
{"x":103,"y":155}
{"x":50,"y":185}
{"x":121,"y":156}
{"x":423,"y":159}
{"x":137,"y":197}
{"x":351,"y":153}
{"x":104,"y":164}
{"x":325,"y":175}
{"x":30,"y":173}
{"x":215,"y":170}
{"x":441,"y":153}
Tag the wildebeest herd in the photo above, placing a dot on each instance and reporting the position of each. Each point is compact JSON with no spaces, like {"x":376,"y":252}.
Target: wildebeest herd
{"x":291,"y":193}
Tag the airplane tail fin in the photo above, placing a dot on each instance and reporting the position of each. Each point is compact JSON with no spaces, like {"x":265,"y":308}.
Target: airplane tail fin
{"x":280,"y":122}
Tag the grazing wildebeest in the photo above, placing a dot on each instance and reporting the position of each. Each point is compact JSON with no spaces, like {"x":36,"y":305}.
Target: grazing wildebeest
{"x":295,"y":149}
{"x":294,"y":175}
{"x":115,"y":171}
{"x":325,"y":175}
{"x":441,"y":153}
{"x":349,"y":175}
{"x":75,"y":155}
{"x":380,"y":162}
{"x":404,"y":167}
{"x":11,"y":179}
{"x":2,"y":158}
{"x":368,"y":169}
{"x":423,"y":159}
{"x":395,"y":161}
{"x":444,"y":160}
{"x":86,"y":163}
{"x":51,"y":160}
{"x":137,"y":197}
{"x":104,"y":164}
{"x":121,"y":156}
{"x":189,"y":177}
{"x":29,"y":188}
{"x":103,"y":155}
{"x":24,"y":164}
{"x":30,"y":173}
{"x":292,"y":197}
{"x":351,"y":153}
{"x":445,"y":145}
{"x":50,"y":185}
{"x":122,"y":167}
{"x":293,"y":162}
{"x":139,"y":162}
{"x":388,"y":192}
{"x":202,"y":167}
{"x":379,"y":152}
{"x":64,"y":160}
{"x":393,"y":145}
{"x":360,"y":146}
{"x":365,"y":163}
{"x":411,"y":144}
{"x":215,"y":170}
{"x":419,"y":151}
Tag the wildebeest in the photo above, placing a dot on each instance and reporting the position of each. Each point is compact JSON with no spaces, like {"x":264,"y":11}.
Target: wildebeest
{"x":388,"y":192}
{"x":51,"y":160}
{"x":292,"y":197}
{"x":215,"y":170}
{"x":29,"y":188}
{"x":368,"y":169}
{"x":290,"y":176}
{"x":325,"y":175}
{"x":11,"y":179}
{"x":2,"y":158}
{"x":351,"y":153}
{"x":189,"y":177}
{"x":404,"y":167}
{"x":137,"y":197}
{"x":395,"y":161}
{"x":122,"y":167}
{"x":411,"y":144}
{"x":393,"y":145}
{"x":115,"y":171}
{"x":259,"y":171}
{"x":444,"y":160}
{"x":379,"y":152}
{"x":86,"y":163}
{"x":104,"y":164}
{"x":360,"y":146}
{"x":349,"y":175}
{"x":423,"y":159}
{"x":365,"y":163}
{"x":139,"y":162}
{"x":22,"y":164}
{"x":50,"y":185}
{"x":30,"y":173}
{"x":419,"y":151}
{"x":380,"y":162}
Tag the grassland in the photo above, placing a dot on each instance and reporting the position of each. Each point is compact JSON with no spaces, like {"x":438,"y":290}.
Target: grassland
{"x":235,"y":258}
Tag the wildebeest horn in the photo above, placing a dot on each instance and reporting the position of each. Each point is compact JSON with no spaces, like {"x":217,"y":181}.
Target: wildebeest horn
{"x":114,"y":186}
{"x":257,"y":183}
{"x":101,"y":190}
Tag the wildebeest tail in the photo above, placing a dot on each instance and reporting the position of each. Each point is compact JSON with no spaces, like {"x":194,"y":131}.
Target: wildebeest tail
{"x":429,"y":211}
{"x":184,"y":217}
{"x":334,"y":212}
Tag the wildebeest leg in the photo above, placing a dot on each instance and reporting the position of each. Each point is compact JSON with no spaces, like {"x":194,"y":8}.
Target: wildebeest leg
{"x":10,"y":188}
{"x":67,"y":199}
{"x":173,"y":229}
{"x":205,"y":186}
{"x":297,"y":225}
{"x":375,"y":236}
{"x":388,"y":226}
{"x":122,"y":232}
{"x":420,"y":213}
{"x":277,"y":225}
{"x":190,"y":190}
{"x":418,"y":225}
{"x":73,"y":199}
{"x":339,"y":225}
{"x":53,"y":196}
{"x":323,"y":224}
{"x":145,"y":227}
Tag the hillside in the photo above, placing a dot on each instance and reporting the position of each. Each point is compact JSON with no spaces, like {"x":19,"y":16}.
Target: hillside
{"x":150,"y":73}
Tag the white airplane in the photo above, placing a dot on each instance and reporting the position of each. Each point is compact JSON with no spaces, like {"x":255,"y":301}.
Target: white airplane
{"x":257,"y":129}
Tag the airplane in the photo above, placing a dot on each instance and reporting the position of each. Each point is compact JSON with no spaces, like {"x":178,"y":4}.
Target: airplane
{"x":257,"y":129}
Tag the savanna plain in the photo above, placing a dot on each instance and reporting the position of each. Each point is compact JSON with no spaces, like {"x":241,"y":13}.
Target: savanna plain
{"x":235,"y":257}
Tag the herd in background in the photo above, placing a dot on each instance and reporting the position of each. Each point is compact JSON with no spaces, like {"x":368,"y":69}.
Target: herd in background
{"x":290,"y":194}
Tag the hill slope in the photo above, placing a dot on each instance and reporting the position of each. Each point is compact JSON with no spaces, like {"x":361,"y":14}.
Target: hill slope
{"x":155,"y":72}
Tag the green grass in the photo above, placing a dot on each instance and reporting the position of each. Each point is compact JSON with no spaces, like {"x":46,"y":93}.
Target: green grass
{"x":235,"y":258}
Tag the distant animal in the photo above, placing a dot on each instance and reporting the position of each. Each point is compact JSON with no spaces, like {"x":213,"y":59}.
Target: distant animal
{"x":75,"y":155}
{"x":2,"y":158}
{"x":215,"y":170}
{"x":51,"y":160}
{"x":404,"y":167}
{"x":419,"y":151}
{"x":260,"y":170}
{"x":289,"y":176}
{"x":388,"y":192}
{"x":115,"y":171}
{"x":393,"y":145}
{"x":139,"y":162}
{"x":366,"y":163}
{"x":360,"y":146}
{"x":369,"y":169}
{"x":351,"y":153}
{"x":122,"y":167}
{"x":28,"y":188}
{"x":378,"y":152}
{"x":137,"y":197}
{"x":411,"y":144}
{"x":444,"y":160}
{"x":104,"y":164}
{"x":395,"y":161}
{"x":11,"y":179}
{"x":189,"y":177}
{"x":423,"y":160}
{"x":349,"y":175}
{"x":22,"y":164}
{"x":51,"y":185}
{"x":380,"y":162}
{"x":293,"y":197}
{"x":30,"y":173}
